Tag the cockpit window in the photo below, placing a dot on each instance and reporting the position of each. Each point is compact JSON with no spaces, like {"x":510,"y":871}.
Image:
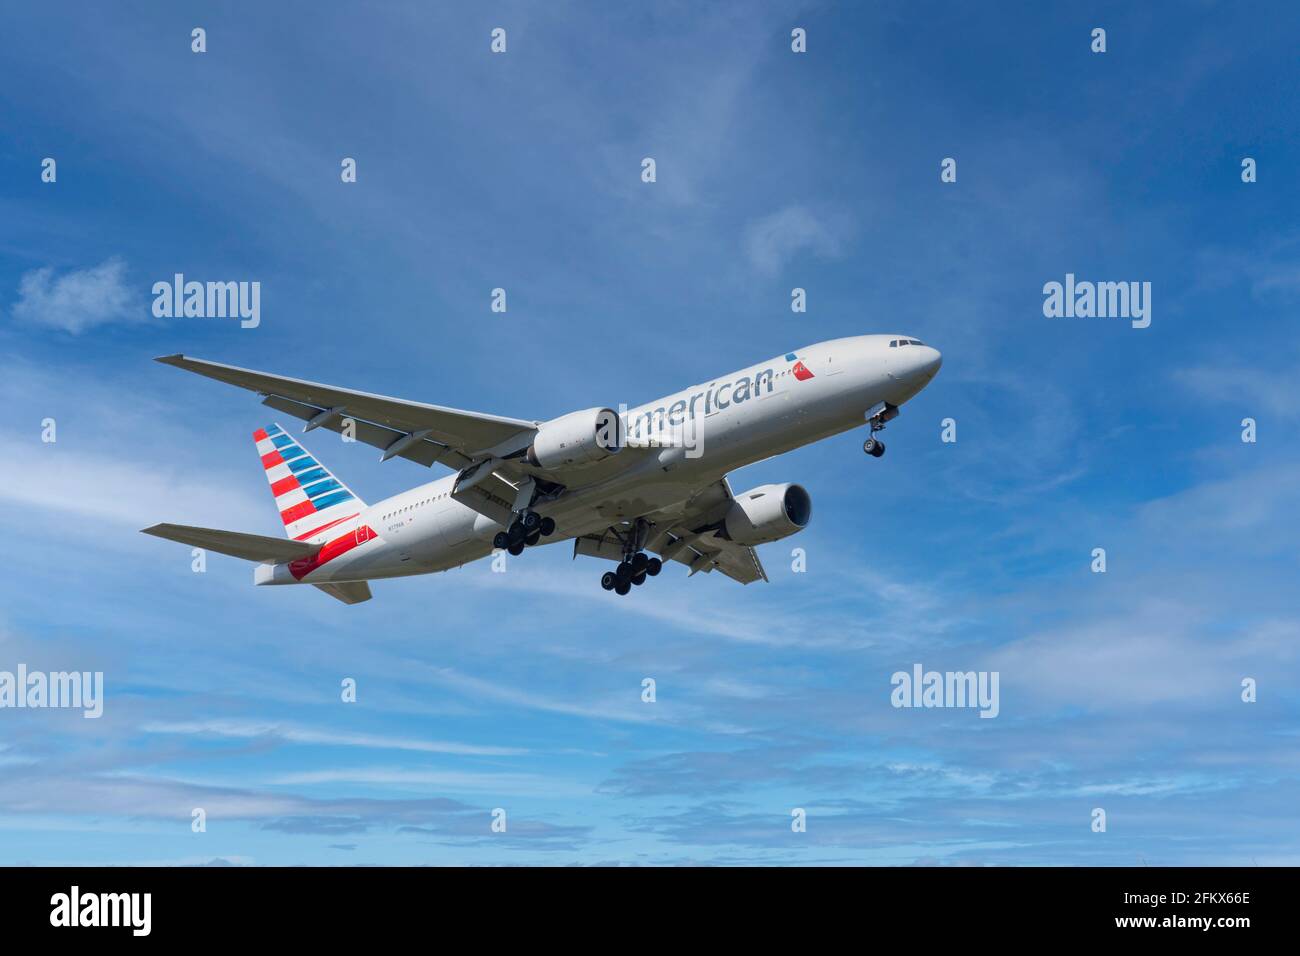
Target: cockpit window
{"x":893,"y":343}
{"x":914,"y":342}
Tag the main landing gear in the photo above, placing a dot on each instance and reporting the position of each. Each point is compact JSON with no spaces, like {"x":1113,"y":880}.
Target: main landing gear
{"x":636,"y":565}
{"x":525,"y":531}
{"x":631,"y":571}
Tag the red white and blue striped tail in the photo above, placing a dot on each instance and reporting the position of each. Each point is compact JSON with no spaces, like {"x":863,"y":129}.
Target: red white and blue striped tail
{"x":313,"y":504}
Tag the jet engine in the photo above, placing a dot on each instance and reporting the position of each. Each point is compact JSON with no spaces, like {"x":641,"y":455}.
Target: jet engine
{"x":767,"y":513}
{"x":579,"y":438}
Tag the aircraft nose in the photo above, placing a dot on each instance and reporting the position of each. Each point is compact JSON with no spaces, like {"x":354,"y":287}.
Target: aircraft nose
{"x":931,"y":360}
{"x":922,"y":364}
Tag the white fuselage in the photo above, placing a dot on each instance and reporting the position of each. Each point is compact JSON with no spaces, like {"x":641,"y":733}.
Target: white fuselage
{"x":424,"y":529}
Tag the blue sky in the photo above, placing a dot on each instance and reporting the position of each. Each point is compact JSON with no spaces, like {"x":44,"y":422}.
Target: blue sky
{"x":523,"y":690}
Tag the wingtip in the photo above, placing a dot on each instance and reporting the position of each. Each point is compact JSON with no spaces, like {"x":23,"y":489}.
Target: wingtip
{"x":176,"y":359}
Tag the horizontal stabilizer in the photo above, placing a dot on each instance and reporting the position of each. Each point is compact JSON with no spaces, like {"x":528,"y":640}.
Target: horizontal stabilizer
{"x":349,"y":592}
{"x":250,"y":547}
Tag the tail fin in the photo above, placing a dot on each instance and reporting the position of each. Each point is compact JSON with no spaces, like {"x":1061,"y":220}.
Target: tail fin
{"x":309,"y":497}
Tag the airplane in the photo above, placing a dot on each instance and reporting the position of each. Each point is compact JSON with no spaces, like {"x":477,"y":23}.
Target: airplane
{"x":639,"y":487}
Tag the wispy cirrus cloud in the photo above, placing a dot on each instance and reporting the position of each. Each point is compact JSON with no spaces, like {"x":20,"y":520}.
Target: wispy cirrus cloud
{"x":1251,"y":389}
{"x":52,"y":477}
{"x":159,"y":798}
{"x":271,"y":730}
{"x":422,"y":779}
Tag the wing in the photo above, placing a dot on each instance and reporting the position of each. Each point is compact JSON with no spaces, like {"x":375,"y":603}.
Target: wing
{"x":250,"y":547}
{"x":737,"y":561}
{"x":688,"y":533}
{"x":422,"y":433}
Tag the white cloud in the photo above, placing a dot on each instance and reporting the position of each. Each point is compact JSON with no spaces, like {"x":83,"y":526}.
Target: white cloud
{"x":772,"y":241}
{"x":77,"y":300}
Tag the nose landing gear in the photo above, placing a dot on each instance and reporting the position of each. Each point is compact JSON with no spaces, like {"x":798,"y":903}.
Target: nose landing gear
{"x":525,"y":531}
{"x":876,"y":418}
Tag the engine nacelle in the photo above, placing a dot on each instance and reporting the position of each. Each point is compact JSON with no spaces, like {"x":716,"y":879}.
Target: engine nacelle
{"x":579,"y":438}
{"x":768,"y":513}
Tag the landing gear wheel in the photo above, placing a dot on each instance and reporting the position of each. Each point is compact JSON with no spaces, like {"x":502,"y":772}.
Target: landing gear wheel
{"x":548,"y":527}
{"x":639,"y":578}
{"x":531,"y":520}
{"x":624,"y":572}
{"x":638,"y":562}
{"x":516,"y":549}
{"x":608,"y":580}
{"x":533,"y":538}
{"x":653,"y":567}
{"x":516,"y":534}
{"x":873,"y":447}
{"x":501,"y":541}
{"x":622,"y":587}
